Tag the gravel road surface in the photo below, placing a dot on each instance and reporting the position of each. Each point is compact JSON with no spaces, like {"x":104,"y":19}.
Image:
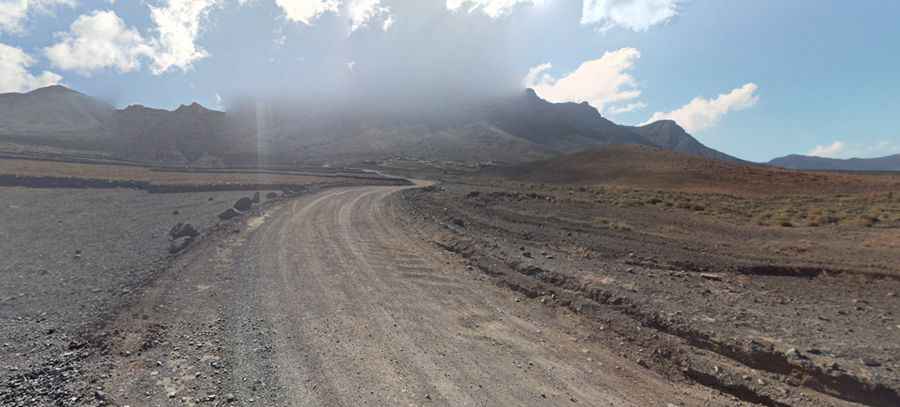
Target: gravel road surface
{"x":326,"y":301}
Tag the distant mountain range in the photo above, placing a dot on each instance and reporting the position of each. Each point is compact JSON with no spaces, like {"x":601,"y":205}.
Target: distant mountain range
{"x":805,"y":162}
{"x":515,"y":129}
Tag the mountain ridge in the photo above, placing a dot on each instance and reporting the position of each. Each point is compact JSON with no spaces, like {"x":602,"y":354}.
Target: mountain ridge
{"x":519,"y":128}
{"x":807,"y":162}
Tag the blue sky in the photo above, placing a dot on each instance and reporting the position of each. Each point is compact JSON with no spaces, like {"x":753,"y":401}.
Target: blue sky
{"x":755,"y":79}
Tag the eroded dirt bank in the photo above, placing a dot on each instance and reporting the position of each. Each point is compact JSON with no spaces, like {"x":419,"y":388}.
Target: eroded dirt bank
{"x":769,"y":334}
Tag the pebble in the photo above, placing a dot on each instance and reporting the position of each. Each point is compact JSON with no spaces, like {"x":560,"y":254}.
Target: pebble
{"x":871,"y":362}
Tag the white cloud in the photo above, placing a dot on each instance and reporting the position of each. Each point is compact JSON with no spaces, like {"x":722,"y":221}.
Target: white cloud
{"x":14,"y":13}
{"x":388,"y":23}
{"x":833,"y":150}
{"x":361,"y":11}
{"x":627,"y":108}
{"x":14,"y":74}
{"x":177,"y":25}
{"x":493,"y":8}
{"x":603,"y":82}
{"x":305,"y":11}
{"x":702,"y":113}
{"x":97,"y":41}
{"x":636,"y":15}
{"x":101,"y":40}
{"x":841,"y":149}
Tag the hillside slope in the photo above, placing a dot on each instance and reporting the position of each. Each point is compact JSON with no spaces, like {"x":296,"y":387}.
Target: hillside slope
{"x":651,"y":167}
{"x":668,"y":135}
{"x":804,"y":162}
{"x":55,"y":113}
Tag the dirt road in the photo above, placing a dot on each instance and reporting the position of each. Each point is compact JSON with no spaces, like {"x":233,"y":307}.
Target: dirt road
{"x":326,"y":301}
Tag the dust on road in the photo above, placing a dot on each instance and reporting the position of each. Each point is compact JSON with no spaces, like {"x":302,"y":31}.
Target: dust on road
{"x":328,"y":302}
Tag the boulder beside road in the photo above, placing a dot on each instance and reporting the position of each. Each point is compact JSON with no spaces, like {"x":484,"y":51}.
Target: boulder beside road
{"x":229,"y":213}
{"x":244,"y":204}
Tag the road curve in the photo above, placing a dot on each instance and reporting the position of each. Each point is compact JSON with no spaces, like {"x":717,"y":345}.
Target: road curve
{"x":327,"y":301}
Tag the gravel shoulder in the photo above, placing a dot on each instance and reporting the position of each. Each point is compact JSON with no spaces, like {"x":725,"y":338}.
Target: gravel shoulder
{"x":73,"y":257}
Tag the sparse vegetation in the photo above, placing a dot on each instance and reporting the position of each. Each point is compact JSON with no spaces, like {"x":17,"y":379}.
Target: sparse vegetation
{"x":612,"y":224}
{"x":851,"y":210}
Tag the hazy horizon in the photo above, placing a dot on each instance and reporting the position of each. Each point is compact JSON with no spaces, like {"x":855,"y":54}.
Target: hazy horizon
{"x":756,"y":80}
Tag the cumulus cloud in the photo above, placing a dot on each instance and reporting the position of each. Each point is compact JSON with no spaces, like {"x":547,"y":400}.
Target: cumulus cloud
{"x":636,"y":15}
{"x":870,"y":149}
{"x":832,"y":150}
{"x":361,"y":11}
{"x":101,"y":40}
{"x":306,"y":11}
{"x":627,"y":108}
{"x":14,"y":13}
{"x":97,"y":41}
{"x":493,"y":8}
{"x":178,"y":24}
{"x":14,"y":73}
{"x":604,"y":83}
{"x":701,"y":113}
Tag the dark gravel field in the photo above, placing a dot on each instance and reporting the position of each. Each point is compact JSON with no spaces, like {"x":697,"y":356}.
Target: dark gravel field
{"x":70,"y":255}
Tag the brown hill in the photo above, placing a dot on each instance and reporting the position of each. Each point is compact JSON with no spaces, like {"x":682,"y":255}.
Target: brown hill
{"x":54,"y":113}
{"x":650,"y":167}
{"x":176,"y":137}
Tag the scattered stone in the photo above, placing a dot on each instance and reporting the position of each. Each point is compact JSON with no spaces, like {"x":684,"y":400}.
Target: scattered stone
{"x":178,"y":245}
{"x":101,"y":395}
{"x":871,"y":362}
{"x":229,"y":213}
{"x":230,"y":398}
{"x":244,"y":204}
{"x":711,"y":276}
{"x":458,"y":222}
{"x":272,"y":195}
{"x":175,"y":212}
{"x":183,"y":230}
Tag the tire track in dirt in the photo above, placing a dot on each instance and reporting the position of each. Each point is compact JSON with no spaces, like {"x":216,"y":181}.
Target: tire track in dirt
{"x":326,"y":301}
